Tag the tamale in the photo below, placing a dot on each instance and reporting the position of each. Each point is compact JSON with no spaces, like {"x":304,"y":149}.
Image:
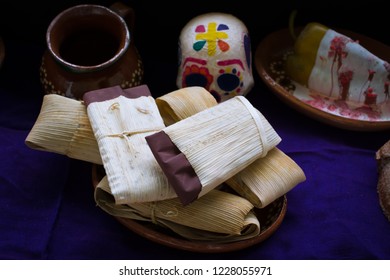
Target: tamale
{"x":63,"y":127}
{"x":218,"y":216}
{"x":267,"y":178}
{"x":180,"y":104}
{"x":202,"y":151}
{"x":120,"y":121}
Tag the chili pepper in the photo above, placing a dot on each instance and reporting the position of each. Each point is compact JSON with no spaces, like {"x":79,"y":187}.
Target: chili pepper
{"x":300,"y":64}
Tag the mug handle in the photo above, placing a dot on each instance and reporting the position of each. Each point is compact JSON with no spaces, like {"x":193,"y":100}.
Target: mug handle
{"x":127,"y":13}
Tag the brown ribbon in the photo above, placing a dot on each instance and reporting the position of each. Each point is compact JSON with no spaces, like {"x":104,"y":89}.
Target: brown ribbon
{"x":176,"y":167}
{"x":113,"y":92}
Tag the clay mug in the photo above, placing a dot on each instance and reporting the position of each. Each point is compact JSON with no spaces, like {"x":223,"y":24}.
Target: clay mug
{"x":90,"y":47}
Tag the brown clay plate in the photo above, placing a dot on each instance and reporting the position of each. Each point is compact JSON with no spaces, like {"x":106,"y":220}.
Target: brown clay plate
{"x":270,"y":218}
{"x":269,"y":60}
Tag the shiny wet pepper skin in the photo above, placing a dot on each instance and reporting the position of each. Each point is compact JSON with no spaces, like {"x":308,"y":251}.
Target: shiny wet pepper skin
{"x":300,"y":64}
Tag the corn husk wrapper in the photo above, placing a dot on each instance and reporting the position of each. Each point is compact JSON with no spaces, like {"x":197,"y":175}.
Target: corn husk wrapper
{"x":218,"y":143}
{"x":268,"y":178}
{"x":63,"y":127}
{"x":218,"y":216}
{"x":120,"y":125}
{"x":183,"y":103}
{"x":263,"y":181}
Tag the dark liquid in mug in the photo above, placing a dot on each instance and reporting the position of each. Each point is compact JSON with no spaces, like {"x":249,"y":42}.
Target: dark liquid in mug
{"x":89,"y":47}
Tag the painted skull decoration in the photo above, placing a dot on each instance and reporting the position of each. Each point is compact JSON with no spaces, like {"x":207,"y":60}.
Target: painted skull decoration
{"x":215,"y":53}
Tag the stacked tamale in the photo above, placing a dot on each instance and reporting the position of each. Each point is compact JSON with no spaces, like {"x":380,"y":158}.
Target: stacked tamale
{"x":213,"y":166}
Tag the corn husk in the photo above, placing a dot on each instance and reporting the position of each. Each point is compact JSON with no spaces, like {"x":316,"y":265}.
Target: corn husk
{"x":63,"y":127}
{"x":218,"y":143}
{"x":218,"y":216}
{"x":263,"y":181}
{"x":182,"y":103}
{"x":120,"y":126}
{"x":268,"y":178}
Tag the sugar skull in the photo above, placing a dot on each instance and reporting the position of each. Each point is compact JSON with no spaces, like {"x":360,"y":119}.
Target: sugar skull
{"x":215,"y":53}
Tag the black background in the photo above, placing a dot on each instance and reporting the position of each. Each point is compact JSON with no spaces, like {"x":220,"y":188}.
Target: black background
{"x":158,"y":24}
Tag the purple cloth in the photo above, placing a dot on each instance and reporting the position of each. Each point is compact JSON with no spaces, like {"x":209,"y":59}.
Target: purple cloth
{"x":47,"y":209}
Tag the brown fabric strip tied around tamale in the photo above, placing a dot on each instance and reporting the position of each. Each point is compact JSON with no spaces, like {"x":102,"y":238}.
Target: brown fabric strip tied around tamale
{"x":120,"y":121}
{"x":177,"y":168}
{"x":217,"y":142}
{"x":115,"y":91}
